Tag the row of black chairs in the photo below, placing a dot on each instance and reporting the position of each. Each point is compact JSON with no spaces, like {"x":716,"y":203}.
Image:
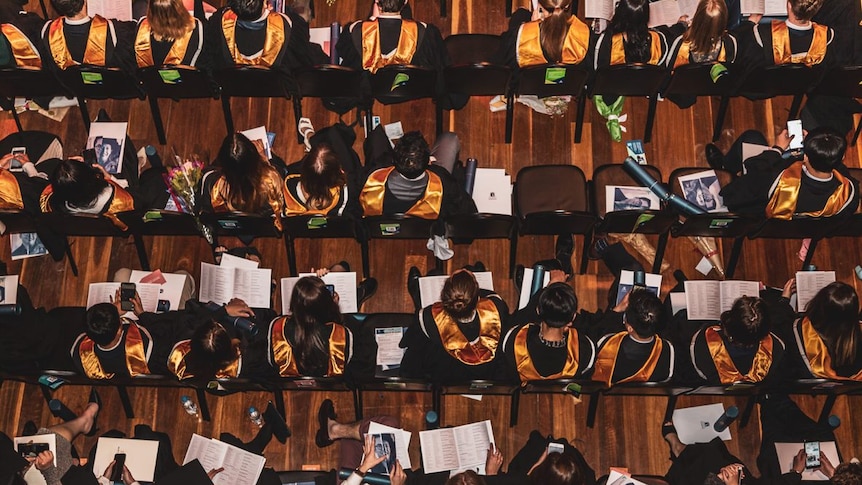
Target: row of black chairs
{"x":472,"y":73}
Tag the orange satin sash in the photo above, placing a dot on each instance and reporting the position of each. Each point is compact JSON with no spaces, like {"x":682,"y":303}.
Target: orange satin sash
{"x":97,"y":43}
{"x":121,"y":201}
{"x":575,"y":44}
{"x":817,"y":355}
{"x":374,"y":191}
{"x":618,"y":50}
{"x":293,"y":207}
{"x":524,"y":362}
{"x":136,"y":355}
{"x":24,"y":52}
{"x":177,"y":363}
{"x":727,"y":371}
{"x":781,"y":53}
{"x":782,"y":202}
{"x":373,"y":59}
{"x":456,"y":344}
{"x":683,"y":56}
{"x":144,"y":52}
{"x":282,"y":352}
{"x":275,"y":40}
{"x":606,"y":361}
{"x":10,"y":192}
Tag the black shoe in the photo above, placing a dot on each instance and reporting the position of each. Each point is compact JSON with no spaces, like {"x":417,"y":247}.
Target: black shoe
{"x":478,"y":267}
{"x":276,"y":421}
{"x":413,"y":276}
{"x":365,"y":290}
{"x":343,"y":264}
{"x":519,"y":276}
{"x":59,"y":410}
{"x":103,"y":115}
{"x":680,"y":276}
{"x":563,"y":252}
{"x":600,"y":245}
{"x":30,"y":429}
{"x":714,"y":157}
{"x":324,"y":414}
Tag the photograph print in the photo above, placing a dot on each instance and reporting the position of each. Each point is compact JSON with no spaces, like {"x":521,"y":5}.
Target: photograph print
{"x":702,"y":189}
{"x":620,"y":198}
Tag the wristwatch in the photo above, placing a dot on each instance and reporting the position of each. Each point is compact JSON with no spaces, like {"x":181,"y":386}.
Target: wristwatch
{"x":359,"y":472}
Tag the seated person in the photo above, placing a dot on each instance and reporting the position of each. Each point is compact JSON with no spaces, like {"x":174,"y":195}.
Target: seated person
{"x":706,"y":39}
{"x":79,"y":188}
{"x":411,"y":185}
{"x":388,"y":39}
{"x":628,"y":39}
{"x":75,"y":38}
{"x":796,"y":40}
{"x":457,"y":339}
{"x":816,"y":186}
{"x":551,"y":34}
{"x":638,"y":353}
{"x":20,"y":42}
{"x":242,"y":180}
{"x":317,"y":186}
{"x":829,"y":335}
{"x":311,"y":341}
{"x":168,"y":35}
{"x":113,"y":345}
{"x":248,"y":33}
{"x":20,"y":190}
{"x":741,"y":348}
{"x":553,"y":348}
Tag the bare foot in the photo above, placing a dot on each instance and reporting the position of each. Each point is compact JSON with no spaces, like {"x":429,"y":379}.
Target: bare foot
{"x":676,"y":446}
{"x":331,"y":425}
{"x":89,"y":416}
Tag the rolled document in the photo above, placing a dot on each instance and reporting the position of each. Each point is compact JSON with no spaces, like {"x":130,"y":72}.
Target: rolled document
{"x":642,"y":177}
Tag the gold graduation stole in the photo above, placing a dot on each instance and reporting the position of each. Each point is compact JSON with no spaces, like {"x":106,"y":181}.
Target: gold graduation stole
{"x":143,"y":48}
{"x":275,"y":40}
{"x":817,"y":354}
{"x":24,"y":52}
{"x":293,"y":207}
{"x":524,"y":363}
{"x":94,"y":53}
{"x":456,"y":344}
{"x":683,"y":56}
{"x":121,"y":201}
{"x":618,"y":50}
{"x":10,"y":191}
{"x":781,"y":53}
{"x":282,"y":352}
{"x":373,"y":59}
{"x":727,"y":371}
{"x":136,"y":356}
{"x":575,"y":45}
{"x":606,"y":361}
{"x":374,"y":191}
{"x":782,"y":202}
{"x":177,"y":363}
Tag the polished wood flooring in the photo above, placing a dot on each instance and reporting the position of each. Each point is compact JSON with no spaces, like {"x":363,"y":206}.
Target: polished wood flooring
{"x":627,"y":432}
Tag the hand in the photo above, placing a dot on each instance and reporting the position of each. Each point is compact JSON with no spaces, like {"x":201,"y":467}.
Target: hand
{"x":755,"y":17}
{"x":44,"y":460}
{"x":684,"y":20}
{"x":32,"y":171}
{"x":369,"y":459}
{"x":335,"y":297}
{"x":494,"y":461}
{"x":238,"y":308}
{"x":136,"y":301}
{"x":320,"y":272}
{"x":826,"y":467}
{"x":782,"y":140}
{"x":789,"y":288}
{"x":397,"y":475}
{"x":212,"y":473}
{"x":117,"y":302}
{"x":799,"y":462}
{"x":557,"y":276}
{"x":539,"y":461}
{"x":623,"y":304}
{"x":128,"y":479}
{"x":731,"y":474}
{"x":104,"y":172}
{"x":110,"y":470}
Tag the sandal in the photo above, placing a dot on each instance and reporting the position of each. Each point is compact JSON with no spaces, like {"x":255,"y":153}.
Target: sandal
{"x":324,"y":414}
{"x":306,"y":130}
{"x":667,"y":429}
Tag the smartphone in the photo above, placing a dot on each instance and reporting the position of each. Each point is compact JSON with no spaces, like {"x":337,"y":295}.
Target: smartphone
{"x":555,"y":448}
{"x":119,"y":463}
{"x":127,"y":295}
{"x":812,"y":454}
{"x":30,"y":450}
{"x":90,"y":156}
{"x":794,"y":129}
{"x":15,"y":163}
{"x":331,"y":289}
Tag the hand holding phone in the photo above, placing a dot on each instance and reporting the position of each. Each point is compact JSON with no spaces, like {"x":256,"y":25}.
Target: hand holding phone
{"x":812,"y":454}
{"x":119,"y":464}
{"x":794,"y":131}
{"x":127,"y":297}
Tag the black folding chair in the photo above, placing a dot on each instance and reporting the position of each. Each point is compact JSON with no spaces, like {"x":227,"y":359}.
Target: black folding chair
{"x":18,"y":82}
{"x":402,"y":83}
{"x":252,"y":82}
{"x":642,"y":80}
{"x":568,"y":80}
{"x":176,"y":83}
{"x":485,"y":226}
{"x":696,"y":80}
{"x":321,"y":227}
{"x":471,"y":72}
{"x":98,"y":82}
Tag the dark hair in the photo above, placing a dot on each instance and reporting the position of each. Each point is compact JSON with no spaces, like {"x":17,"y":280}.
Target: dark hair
{"x":460,"y":295}
{"x":554,"y":28}
{"x":466,"y":478}
{"x":68,"y":8}
{"x":412,"y":155}
{"x":834,"y":314}
{"x":391,"y":6}
{"x":77,"y":183}
{"x":747,"y":322}
{"x":321,"y":171}
{"x":169,"y":19}
{"x":558,"y":305}
{"x":103,"y":322}
{"x":211,"y":350}
{"x":245,"y":173}
{"x":247,"y":9}
{"x":558,"y":469}
{"x":824,"y":147}
{"x":707,"y":25}
{"x":644,"y":312}
{"x":632,"y":18}
{"x":847,"y":474}
{"x":805,"y":9}
{"x":312,"y":307}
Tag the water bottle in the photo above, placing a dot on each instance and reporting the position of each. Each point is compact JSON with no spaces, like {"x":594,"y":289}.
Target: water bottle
{"x":189,"y":405}
{"x":254,"y":416}
{"x":432,"y":420}
{"x":470,"y":175}
{"x":724,"y":421}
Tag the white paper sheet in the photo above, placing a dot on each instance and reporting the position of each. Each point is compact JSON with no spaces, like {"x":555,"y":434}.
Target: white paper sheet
{"x":733,"y":289}
{"x":259,"y":133}
{"x":808,"y":283}
{"x":460,"y":448}
{"x":140,"y":456}
{"x":240,"y":467}
{"x":431,"y":286}
{"x":345,"y":286}
{"x":524,"y":295}
{"x":389,"y":354}
{"x":220,"y":284}
{"x":617,"y":478}
{"x":105,"y":293}
{"x":49,"y":438}
{"x":171,"y":290}
{"x":703,"y":190}
{"x":110,"y":9}
{"x":599,"y":9}
{"x":113,"y":133}
{"x":663,"y":12}
{"x":695,"y":424}
{"x":627,"y":280}
{"x":231,"y":261}
{"x":9,"y":285}
{"x":492,"y":191}
{"x":786,"y":452}
{"x":708,"y":299}
{"x":402,"y":442}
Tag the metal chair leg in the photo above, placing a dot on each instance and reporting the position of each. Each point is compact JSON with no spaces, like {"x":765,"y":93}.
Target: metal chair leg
{"x":812,"y":246}
{"x":650,"y":120}
{"x":659,"y":252}
{"x":513,"y":251}
{"x":228,"y":116}
{"x":515,"y":407}
{"x":734,"y":256}
{"x":142,"y":252}
{"x":719,"y":118}
{"x":579,"y":121}
{"x":203,"y":406}
{"x":827,"y":408}
{"x":746,"y":413}
{"x":592,"y":409}
{"x":278,"y":398}
{"x":357,"y":402}
{"x":126,"y":402}
{"x":291,"y":254}
{"x":156,"y":114}
{"x":72,"y":265}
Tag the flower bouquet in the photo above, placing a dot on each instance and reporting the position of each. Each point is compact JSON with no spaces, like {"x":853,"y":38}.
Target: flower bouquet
{"x":182,"y":179}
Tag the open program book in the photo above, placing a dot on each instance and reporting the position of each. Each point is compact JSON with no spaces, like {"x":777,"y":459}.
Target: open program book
{"x":708,"y":299}
{"x":456,"y":449}
{"x":222,"y":283}
{"x":240,"y":466}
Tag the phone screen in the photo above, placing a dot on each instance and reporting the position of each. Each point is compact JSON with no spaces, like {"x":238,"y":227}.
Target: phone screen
{"x":127,"y":294}
{"x":331,"y":289}
{"x":812,"y":454}
{"x":794,"y":129}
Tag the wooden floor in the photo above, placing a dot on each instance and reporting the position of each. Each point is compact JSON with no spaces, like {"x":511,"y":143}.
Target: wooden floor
{"x":627,"y":432}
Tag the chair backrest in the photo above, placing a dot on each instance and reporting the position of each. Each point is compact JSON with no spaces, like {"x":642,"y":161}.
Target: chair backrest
{"x":477,"y":79}
{"x":802,"y":228}
{"x":160,"y":223}
{"x":29,"y":138}
{"x":17,"y":222}
{"x":544,"y":188}
{"x":30,"y":83}
{"x":465,"y":49}
{"x":253,"y":82}
{"x":400,"y":83}
{"x":696,"y":79}
{"x":614,"y":174}
{"x":784,"y":79}
{"x":398,"y":226}
{"x":552,"y":80}
{"x":81,"y":224}
{"x":240,"y":223}
{"x":177,"y":82}
{"x":309,"y":227}
{"x":629,"y":80}
{"x":841,"y":81}
{"x":98,"y":82}
{"x":328,"y":81}
{"x":723,"y":177}
{"x":481,"y":226}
